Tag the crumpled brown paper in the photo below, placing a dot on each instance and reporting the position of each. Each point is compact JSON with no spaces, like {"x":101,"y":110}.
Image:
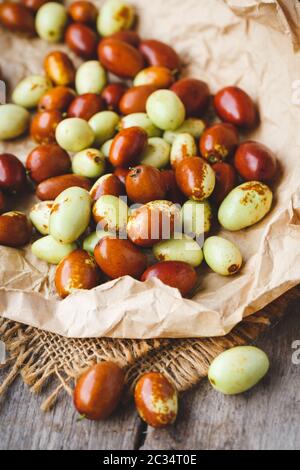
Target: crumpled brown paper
{"x":223,"y":49}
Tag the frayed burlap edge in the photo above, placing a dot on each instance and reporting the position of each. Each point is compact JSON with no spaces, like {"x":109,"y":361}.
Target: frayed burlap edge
{"x":47,"y":361}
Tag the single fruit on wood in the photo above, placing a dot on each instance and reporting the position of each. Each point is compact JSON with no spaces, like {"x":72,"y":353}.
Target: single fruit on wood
{"x":15,"y":229}
{"x":120,"y":58}
{"x":255,"y":161}
{"x":160,"y":54}
{"x":238,"y":369}
{"x":144,"y":183}
{"x":235,"y":106}
{"x":12,"y":173}
{"x":195,"y":178}
{"x":59,"y":68}
{"x":82,"y":40}
{"x":222,"y":256}
{"x":43,"y":126}
{"x":194,"y":94}
{"x":118,"y":258}
{"x":156,"y":400}
{"x":128,"y":146}
{"x":46,"y":161}
{"x":99,"y":390}
{"x":176,"y":274}
{"x":49,"y":189}
{"x":219,"y":142}
{"x":77,"y":270}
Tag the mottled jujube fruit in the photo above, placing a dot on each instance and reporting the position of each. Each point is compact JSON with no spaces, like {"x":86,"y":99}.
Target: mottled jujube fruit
{"x":219,"y":142}
{"x":144,"y":184}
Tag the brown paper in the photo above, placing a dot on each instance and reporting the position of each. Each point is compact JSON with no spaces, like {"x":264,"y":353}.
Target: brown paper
{"x":222,"y":48}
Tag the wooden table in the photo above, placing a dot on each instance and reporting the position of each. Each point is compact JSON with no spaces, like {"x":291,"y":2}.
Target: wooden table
{"x":267,"y":417}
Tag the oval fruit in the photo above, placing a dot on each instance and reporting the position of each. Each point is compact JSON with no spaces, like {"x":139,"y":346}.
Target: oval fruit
{"x":131,"y":37}
{"x":111,"y":213}
{"x":14,"y":121}
{"x":192,"y":126}
{"x":140,"y":120}
{"x":50,"y":250}
{"x":245,"y":206}
{"x":112,"y":95}
{"x":104,"y":126}
{"x":120,"y":58}
{"x":219,"y":142}
{"x":145,"y":184}
{"x":70,"y":215}
{"x":82,"y":40}
{"x":197,"y":218}
{"x":175,"y":274}
{"x":115,"y":16}
{"x":153,"y":222}
{"x":50,"y":21}
{"x":195,"y":178}
{"x":184,"y":146}
{"x":183,"y":249}
{"x":83,"y":12}
{"x":12,"y":173}
{"x":118,"y":258}
{"x":157,"y":153}
{"x":156,"y":400}
{"x":194,"y":94}
{"x":49,"y":189}
{"x":77,"y":270}
{"x":160,"y":77}
{"x":58,"y":98}
{"x":89,"y":163}
{"x":134,"y":100}
{"x":226,"y":180}
{"x":222,"y":256}
{"x":90,"y":77}
{"x":107,"y":185}
{"x":99,"y":390}
{"x":90,"y":242}
{"x":16,"y":17}
{"x":43,"y":126}
{"x":74,"y":134}
{"x":255,"y":161}
{"x":127,"y":147}
{"x":238,"y":369}
{"x":160,"y":54}
{"x":165,"y":110}
{"x":235,"y":106}
{"x":30,"y":90}
{"x":15,"y":229}
{"x":59,"y":68}
{"x":85,"y":106}
{"x":46,"y":161}
{"x":40,"y":216}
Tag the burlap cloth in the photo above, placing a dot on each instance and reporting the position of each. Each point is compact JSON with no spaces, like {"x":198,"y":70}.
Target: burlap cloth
{"x":49,"y":363}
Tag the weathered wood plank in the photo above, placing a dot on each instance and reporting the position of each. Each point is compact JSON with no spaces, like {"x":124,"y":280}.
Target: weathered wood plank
{"x":265,"y":418}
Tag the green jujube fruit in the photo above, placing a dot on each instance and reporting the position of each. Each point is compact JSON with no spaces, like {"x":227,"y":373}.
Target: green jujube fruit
{"x":111,"y":212}
{"x":104,"y":126}
{"x":40,"y":216}
{"x":91,"y":241}
{"x":70,"y":215}
{"x":105,"y":149}
{"x":157,"y":153}
{"x":50,"y":21}
{"x":165,"y":110}
{"x":14,"y":121}
{"x":140,"y":120}
{"x":74,"y":134}
{"x":186,"y":250}
{"x":196,"y":218}
{"x":50,"y":250}
{"x":184,"y":145}
{"x":115,"y":16}
{"x":89,"y":163}
{"x":238,"y":369}
{"x":30,"y":90}
{"x":90,"y":77}
{"x":222,"y":256}
{"x":192,"y":126}
{"x":245,"y":205}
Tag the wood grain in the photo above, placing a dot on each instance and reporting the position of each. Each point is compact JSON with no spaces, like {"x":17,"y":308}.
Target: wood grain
{"x":265,"y":418}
